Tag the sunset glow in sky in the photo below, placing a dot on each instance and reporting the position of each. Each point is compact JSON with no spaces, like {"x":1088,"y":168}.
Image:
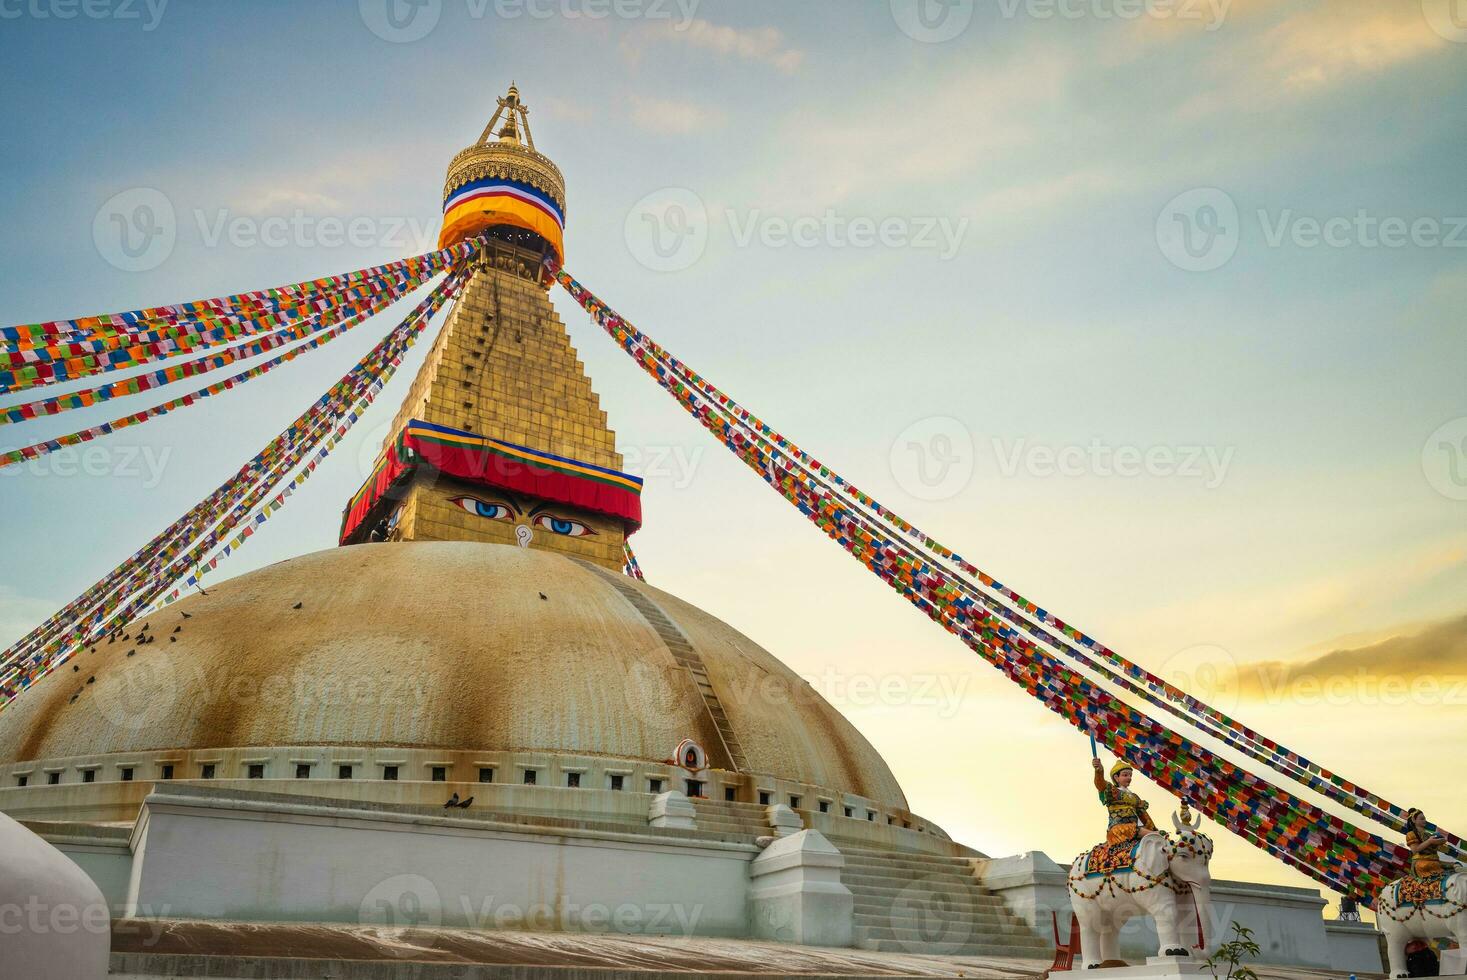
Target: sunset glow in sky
{"x":1154,"y":310}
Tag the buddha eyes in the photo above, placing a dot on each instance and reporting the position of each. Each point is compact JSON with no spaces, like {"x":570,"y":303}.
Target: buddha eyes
{"x":503,"y":512}
{"x":482,"y":508}
{"x":557,"y":525}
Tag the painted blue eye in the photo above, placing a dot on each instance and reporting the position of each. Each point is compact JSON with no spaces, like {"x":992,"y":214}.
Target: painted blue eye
{"x":482,"y":508}
{"x":559,"y":525}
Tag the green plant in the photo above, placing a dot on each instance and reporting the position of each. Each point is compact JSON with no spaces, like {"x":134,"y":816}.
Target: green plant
{"x":1231,"y":953}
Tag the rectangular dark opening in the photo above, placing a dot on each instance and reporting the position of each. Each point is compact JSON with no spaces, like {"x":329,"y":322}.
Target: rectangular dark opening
{"x":126,"y":773}
{"x":167,"y":772}
{"x":654,"y":786}
{"x":849,"y":812}
{"x":764,"y":797}
{"x":206,"y":771}
{"x":530,"y":777}
{"x":824,"y":806}
{"x":618,"y":781}
{"x":389,"y":772}
{"x":486,"y":775}
{"x":730,"y":793}
{"x":256,"y":771}
{"x":53,"y":778}
{"x":89,"y":775}
{"x":870,"y":816}
{"x":302,"y":770}
{"x":343,"y":772}
{"x":573,"y":780}
{"x":439,"y":774}
{"x":695,"y":787}
{"x":22,"y":780}
{"x":794,"y":802}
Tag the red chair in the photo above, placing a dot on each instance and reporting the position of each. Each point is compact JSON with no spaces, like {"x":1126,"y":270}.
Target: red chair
{"x":1064,"y":953}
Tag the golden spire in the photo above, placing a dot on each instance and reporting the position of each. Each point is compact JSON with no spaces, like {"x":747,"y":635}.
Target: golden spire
{"x":505,"y":151}
{"x":516,"y":120}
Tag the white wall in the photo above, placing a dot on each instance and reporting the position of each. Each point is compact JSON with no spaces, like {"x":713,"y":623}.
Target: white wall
{"x":109,"y":865}
{"x":258,"y":860}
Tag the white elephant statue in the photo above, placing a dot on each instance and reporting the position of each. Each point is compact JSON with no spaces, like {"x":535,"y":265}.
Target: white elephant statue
{"x":1403,"y":920}
{"x":1168,"y":880}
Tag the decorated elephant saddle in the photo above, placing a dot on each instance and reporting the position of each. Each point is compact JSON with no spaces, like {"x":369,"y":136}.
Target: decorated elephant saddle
{"x":1111,"y":859}
{"x":1412,"y":890}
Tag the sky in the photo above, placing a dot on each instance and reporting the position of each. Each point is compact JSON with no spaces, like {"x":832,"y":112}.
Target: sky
{"x":1151,"y":308}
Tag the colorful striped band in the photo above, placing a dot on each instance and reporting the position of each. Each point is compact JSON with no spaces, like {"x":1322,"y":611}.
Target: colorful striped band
{"x":493,"y":462}
{"x":494,"y":201}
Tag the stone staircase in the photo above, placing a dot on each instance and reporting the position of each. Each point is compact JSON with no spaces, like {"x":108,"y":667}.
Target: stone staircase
{"x":739,"y":819}
{"x":927,"y":903}
{"x":687,"y":657}
{"x":905,"y":902}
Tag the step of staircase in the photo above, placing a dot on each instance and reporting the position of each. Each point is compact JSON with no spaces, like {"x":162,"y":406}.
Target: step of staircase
{"x":928,"y":883}
{"x":905,"y":901}
{"x":687,"y":656}
{"x":901,"y":866}
{"x":916,"y":902}
{"x":930,"y":903}
{"x":855,"y":851}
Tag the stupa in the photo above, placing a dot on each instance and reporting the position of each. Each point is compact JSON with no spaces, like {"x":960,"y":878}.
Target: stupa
{"x":474,"y":716}
{"x":285,"y":745}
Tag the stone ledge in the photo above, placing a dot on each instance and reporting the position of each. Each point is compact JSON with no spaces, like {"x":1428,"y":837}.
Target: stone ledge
{"x":321,"y":810}
{"x":155,"y":966}
{"x":177,"y":948}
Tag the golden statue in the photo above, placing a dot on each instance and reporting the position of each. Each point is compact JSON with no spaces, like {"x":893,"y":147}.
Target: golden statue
{"x":1126,"y":810}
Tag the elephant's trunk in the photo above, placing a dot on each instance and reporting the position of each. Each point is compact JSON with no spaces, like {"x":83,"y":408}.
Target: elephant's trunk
{"x":1195,"y":920}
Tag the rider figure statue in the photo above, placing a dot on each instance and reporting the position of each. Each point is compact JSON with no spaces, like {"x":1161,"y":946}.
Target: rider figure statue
{"x":1426,"y":861}
{"x":1127,"y":811}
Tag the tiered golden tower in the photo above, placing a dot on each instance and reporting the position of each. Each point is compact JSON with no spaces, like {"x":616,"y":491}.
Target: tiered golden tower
{"x":502,"y":372}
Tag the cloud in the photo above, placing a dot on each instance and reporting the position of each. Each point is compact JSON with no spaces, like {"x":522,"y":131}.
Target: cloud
{"x":271,"y":200}
{"x":766,"y":45}
{"x":1437,"y":653}
{"x":1281,"y":54}
{"x":558,"y":108}
{"x":673,"y":116}
{"x":834,"y":155}
{"x":322,"y":186}
{"x":1337,"y":42}
{"x":1024,"y":199}
{"x":1267,"y":610}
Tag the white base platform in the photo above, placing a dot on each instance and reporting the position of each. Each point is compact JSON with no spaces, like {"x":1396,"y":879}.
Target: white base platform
{"x":1156,"y":968}
{"x":1454,"y":963}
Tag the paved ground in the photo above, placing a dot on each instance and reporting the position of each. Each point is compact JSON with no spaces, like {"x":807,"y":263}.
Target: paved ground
{"x":179,"y":948}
